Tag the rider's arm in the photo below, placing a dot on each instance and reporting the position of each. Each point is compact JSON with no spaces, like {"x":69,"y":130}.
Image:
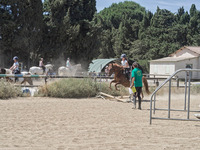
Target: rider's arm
{"x":11,"y":68}
{"x":14,"y":67}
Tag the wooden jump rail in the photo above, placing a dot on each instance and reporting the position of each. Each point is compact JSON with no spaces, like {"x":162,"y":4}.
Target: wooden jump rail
{"x":78,"y":77}
{"x":49,"y":76}
{"x":30,"y":86}
{"x":110,"y":96}
{"x":56,"y":76}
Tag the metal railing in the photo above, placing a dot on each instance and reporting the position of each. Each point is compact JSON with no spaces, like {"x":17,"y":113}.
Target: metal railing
{"x":187,"y":97}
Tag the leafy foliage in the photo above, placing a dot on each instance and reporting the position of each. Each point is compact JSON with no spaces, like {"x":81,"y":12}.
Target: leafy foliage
{"x":21,"y":28}
{"x":144,"y":36}
{"x":72,"y":28}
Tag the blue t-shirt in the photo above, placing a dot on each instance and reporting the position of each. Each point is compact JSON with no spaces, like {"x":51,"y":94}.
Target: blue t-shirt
{"x":16,"y":65}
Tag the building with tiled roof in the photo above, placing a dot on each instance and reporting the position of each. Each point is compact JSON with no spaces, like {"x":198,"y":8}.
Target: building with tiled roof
{"x":185,"y":57}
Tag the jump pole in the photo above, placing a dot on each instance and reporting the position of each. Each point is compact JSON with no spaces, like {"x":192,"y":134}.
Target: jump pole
{"x":49,"y":76}
{"x":110,"y":96}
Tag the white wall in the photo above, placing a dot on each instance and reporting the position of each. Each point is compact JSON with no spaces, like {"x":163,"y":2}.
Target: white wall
{"x":182,"y":64}
{"x":162,"y":68}
{"x":198,"y":67}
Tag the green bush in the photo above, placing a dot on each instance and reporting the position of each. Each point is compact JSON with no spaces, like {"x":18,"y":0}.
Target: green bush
{"x":70,"y":88}
{"x":7,"y":90}
{"x":77,"y":88}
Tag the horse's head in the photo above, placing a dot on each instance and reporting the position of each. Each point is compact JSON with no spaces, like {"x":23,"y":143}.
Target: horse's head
{"x":49,"y":67}
{"x":3,"y":71}
{"x":8,"y":71}
{"x":114,"y":68}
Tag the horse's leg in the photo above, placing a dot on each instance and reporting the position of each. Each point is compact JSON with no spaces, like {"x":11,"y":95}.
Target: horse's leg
{"x":8,"y":79}
{"x":116,"y":86}
{"x":113,"y":81}
{"x":30,"y":81}
{"x":23,"y":81}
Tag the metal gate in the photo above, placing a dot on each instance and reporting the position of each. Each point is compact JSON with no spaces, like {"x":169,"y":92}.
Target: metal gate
{"x":188,"y":76}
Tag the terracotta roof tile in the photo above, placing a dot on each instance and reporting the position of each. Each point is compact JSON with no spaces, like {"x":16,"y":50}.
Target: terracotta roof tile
{"x":172,"y":59}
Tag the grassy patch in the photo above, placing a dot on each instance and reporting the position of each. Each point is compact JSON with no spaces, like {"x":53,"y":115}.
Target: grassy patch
{"x":70,"y":88}
{"x":7,"y":90}
{"x":78,"y":88}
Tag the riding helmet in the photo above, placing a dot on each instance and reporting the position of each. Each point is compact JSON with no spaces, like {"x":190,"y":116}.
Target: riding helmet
{"x":123,"y":56}
{"x":15,"y":58}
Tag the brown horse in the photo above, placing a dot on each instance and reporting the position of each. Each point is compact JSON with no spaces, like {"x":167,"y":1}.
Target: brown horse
{"x":120,"y":77}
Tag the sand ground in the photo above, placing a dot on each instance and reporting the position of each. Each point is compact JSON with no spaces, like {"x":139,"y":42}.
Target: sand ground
{"x":87,"y":124}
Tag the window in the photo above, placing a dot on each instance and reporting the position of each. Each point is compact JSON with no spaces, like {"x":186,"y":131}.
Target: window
{"x":189,"y":66}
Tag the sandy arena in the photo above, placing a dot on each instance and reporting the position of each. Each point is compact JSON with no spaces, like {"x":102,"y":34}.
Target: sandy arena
{"x":92,"y":124}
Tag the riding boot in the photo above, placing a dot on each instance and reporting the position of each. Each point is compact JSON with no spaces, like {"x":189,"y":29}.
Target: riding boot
{"x":127,"y":76}
{"x":134,"y":101}
{"x":139,"y":105}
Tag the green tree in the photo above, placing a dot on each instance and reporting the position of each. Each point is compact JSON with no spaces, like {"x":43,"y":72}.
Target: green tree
{"x":193,"y":10}
{"x":72,"y":31}
{"x":22,"y":36}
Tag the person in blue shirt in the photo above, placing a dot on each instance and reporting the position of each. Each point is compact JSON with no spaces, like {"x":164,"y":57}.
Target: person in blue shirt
{"x":15,"y":67}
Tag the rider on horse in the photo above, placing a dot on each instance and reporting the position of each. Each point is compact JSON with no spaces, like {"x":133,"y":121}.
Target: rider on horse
{"x":68,"y":64}
{"x":15,"y":67}
{"x":125,"y":65}
{"x":41,"y":64}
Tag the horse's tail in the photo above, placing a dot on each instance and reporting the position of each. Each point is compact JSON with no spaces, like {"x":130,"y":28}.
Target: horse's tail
{"x":146,"y":86}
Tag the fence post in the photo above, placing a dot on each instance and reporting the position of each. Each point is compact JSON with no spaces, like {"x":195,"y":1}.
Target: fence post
{"x":154,"y":104}
{"x":151,"y":110}
{"x":177,"y":82}
{"x":100,"y":77}
{"x":169,"y":102}
{"x":157,"y":83}
{"x":188,"y":111}
{"x":185,"y":91}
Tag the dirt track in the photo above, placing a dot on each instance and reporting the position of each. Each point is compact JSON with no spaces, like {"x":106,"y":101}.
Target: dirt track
{"x":50,"y":123}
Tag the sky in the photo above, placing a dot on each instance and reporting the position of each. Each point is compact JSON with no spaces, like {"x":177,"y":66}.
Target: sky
{"x":151,"y":5}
